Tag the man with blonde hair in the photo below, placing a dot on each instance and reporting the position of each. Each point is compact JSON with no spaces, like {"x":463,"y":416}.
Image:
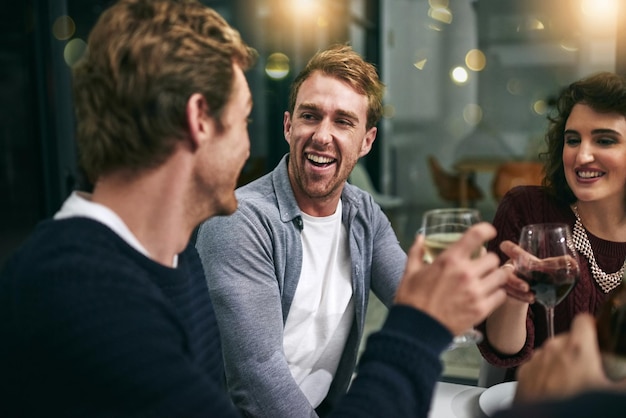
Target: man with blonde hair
{"x":290,"y":273}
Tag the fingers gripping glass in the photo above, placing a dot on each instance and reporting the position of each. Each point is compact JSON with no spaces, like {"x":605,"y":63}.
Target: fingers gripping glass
{"x":549,"y":265}
{"x":442,"y":228}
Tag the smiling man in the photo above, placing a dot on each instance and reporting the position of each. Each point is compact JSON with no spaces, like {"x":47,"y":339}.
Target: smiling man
{"x":291,"y":271}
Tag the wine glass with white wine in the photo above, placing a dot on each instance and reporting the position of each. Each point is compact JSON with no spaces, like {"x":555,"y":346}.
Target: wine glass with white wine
{"x":442,"y":228}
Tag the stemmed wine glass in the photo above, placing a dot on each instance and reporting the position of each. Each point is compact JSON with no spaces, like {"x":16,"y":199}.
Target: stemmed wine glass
{"x":550,"y":264}
{"x":442,"y":228}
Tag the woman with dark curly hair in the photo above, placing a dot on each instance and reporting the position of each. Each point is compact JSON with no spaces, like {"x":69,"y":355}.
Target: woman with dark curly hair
{"x":585,"y":187}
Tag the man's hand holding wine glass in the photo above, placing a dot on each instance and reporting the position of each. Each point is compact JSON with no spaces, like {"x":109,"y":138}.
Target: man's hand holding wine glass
{"x":458,"y":288}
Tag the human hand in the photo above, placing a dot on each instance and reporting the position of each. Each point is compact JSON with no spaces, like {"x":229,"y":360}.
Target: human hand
{"x":515,"y":287}
{"x":564,"y":366}
{"x":518,"y":288}
{"x":458,"y":289}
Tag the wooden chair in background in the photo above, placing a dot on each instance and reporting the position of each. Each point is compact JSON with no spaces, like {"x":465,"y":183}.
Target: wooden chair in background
{"x":516,"y":173}
{"x":449,"y":184}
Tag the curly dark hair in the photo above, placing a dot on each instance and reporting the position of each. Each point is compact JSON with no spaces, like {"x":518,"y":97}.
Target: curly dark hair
{"x":604,"y":92}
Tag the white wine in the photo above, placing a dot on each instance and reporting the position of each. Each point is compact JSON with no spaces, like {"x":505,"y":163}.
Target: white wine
{"x":436,"y":243}
{"x":441,"y":228}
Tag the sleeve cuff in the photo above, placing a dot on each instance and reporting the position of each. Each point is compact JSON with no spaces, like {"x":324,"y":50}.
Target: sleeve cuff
{"x":415,"y":323}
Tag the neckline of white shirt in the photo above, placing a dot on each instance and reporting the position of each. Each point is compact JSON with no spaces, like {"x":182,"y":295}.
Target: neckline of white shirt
{"x":79,"y":204}
{"x":332,"y":217}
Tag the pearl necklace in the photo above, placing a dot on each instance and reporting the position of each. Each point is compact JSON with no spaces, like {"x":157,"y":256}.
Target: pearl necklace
{"x":606,"y":281}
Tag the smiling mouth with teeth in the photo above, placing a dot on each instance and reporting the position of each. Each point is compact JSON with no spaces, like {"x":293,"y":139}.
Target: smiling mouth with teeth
{"x":589,"y":174}
{"x":319,"y":160}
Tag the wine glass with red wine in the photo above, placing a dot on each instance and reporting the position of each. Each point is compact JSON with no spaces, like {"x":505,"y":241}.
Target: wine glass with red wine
{"x":550,"y":264}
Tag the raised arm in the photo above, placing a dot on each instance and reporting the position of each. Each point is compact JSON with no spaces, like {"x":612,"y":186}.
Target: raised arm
{"x":509,"y":330}
{"x":506,"y":326}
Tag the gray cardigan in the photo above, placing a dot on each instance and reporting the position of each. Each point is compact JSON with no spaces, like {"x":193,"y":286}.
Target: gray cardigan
{"x":252,"y":261}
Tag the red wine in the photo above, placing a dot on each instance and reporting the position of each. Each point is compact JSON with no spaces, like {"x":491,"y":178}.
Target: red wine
{"x":550,"y":286}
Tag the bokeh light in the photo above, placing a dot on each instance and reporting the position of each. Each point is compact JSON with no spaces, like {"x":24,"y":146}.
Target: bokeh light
{"x":599,"y":9}
{"x":570,"y":45}
{"x":459,"y":75}
{"x":389,"y":111}
{"x":472,"y":114}
{"x":277,"y":66}
{"x":514,"y":86}
{"x":419,"y":64}
{"x":63,"y":28}
{"x":440,"y":14}
{"x":540,"y":107}
{"x":475,"y":60}
{"x":74,"y":51}
{"x":305,"y":8}
{"x":530,"y":24}
{"x":434,"y":26}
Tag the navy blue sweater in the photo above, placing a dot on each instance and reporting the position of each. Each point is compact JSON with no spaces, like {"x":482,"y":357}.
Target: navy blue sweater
{"x":92,"y":327}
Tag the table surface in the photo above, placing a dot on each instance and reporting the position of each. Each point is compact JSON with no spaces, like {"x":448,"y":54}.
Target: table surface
{"x":452,"y":400}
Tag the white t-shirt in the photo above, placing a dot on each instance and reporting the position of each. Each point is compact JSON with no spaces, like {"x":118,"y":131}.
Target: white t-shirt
{"x":322,"y":310}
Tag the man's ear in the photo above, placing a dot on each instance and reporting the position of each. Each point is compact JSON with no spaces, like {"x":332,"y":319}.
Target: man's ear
{"x":286,"y":126}
{"x":201,"y":125}
{"x":368,"y":141}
